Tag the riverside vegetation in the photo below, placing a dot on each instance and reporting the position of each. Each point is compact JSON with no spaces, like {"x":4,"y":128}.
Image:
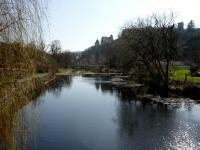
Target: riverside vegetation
{"x":147,"y":51}
{"x":153,"y":55}
{"x":152,"y":51}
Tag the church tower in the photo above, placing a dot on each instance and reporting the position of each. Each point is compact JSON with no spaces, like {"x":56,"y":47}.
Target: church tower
{"x":97,"y":43}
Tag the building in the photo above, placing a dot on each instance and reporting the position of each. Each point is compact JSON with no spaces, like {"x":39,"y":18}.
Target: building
{"x":180,"y":26}
{"x":97,"y":43}
{"x":106,"y":40}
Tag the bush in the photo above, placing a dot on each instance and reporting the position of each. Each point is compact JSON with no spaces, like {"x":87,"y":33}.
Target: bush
{"x":193,"y":69}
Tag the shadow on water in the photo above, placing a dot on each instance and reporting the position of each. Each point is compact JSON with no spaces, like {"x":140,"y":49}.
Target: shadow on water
{"x":61,"y":82}
{"x":121,"y":93}
{"x":136,"y":122}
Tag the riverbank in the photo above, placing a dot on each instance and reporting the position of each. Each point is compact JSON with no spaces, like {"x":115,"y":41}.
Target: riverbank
{"x":22,"y":91}
{"x":179,"y":90}
{"x":13,"y":96}
{"x":13,"y":89}
{"x":78,"y":105}
{"x":182,"y":74}
{"x":83,"y":72}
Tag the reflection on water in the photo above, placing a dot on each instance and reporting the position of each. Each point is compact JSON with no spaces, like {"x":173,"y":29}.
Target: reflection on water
{"x":61,"y":82}
{"x":12,"y":125}
{"x":86,"y":113}
{"x":157,"y":127}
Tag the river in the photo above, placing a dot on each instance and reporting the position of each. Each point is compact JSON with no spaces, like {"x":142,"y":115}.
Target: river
{"x":85,"y":113}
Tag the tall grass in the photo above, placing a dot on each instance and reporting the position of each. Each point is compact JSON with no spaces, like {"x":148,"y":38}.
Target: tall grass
{"x":13,"y":127}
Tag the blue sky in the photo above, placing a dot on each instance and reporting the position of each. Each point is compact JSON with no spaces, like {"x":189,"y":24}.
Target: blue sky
{"x":78,"y":23}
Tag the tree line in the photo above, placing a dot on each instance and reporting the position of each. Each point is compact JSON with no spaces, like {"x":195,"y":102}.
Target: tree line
{"x":147,"y":49}
{"x":22,"y":48}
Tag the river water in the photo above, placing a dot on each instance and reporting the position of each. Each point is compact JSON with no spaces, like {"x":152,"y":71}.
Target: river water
{"x":85,"y":113}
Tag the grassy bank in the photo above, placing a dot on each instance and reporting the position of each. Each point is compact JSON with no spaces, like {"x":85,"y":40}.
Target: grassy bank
{"x":178,"y":74}
{"x":69,"y":71}
{"x":13,"y":98}
{"x":182,"y":74}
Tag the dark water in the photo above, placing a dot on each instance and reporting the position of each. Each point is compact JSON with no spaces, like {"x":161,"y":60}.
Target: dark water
{"x":84,"y":113}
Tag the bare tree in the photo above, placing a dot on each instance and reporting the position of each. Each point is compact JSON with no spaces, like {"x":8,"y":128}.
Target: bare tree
{"x":21,"y":20}
{"x":155,"y":45}
{"x":55,"y":49}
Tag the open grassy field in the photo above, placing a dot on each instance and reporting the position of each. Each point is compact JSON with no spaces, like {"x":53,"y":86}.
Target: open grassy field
{"x":178,"y":74}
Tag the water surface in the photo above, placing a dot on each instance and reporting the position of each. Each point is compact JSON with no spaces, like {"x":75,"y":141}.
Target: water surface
{"x":85,"y":113}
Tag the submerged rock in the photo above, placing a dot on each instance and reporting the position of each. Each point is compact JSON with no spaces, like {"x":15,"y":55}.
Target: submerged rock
{"x":117,"y":80}
{"x":122,"y":81}
{"x":166,"y":101}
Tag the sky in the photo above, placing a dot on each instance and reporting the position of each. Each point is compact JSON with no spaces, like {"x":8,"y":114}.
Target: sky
{"x":79,"y":23}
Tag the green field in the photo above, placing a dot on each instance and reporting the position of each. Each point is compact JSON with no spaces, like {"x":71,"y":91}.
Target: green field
{"x":178,"y":74}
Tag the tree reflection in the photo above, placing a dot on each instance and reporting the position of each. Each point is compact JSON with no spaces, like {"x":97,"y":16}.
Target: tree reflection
{"x":13,"y":127}
{"x":122,"y":93}
{"x":141,"y":124}
{"x":56,"y":86}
